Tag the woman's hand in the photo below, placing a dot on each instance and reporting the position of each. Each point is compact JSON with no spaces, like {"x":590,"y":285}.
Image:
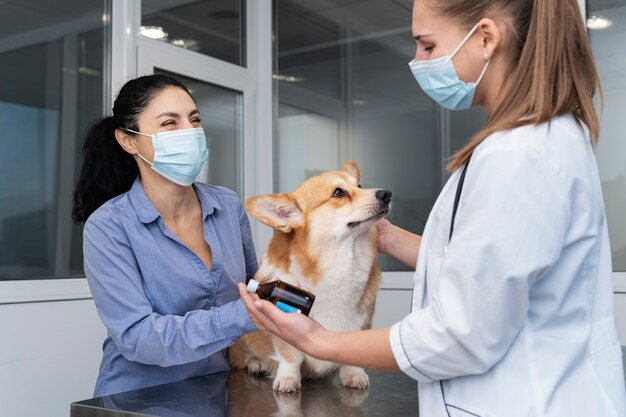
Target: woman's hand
{"x":296,"y":329}
{"x":383,"y":227}
{"x":365,"y":348}
{"x":398,"y":243}
{"x":256,"y":321}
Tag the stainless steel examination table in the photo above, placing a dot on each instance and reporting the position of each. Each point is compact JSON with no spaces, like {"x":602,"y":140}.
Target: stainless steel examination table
{"x":237,"y":394}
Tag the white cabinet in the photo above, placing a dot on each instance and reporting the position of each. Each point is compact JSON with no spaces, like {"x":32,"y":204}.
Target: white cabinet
{"x":391,"y":306}
{"x":394,"y":298}
{"x":49,"y":356}
{"x":620,"y":316}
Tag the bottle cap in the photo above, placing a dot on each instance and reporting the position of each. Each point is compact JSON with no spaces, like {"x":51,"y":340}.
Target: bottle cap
{"x":253,"y":285}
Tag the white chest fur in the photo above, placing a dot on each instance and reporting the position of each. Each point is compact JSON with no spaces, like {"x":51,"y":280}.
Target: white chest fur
{"x":344,"y":272}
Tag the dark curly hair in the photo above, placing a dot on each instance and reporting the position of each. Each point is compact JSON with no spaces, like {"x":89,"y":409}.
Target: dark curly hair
{"x":107,"y":169}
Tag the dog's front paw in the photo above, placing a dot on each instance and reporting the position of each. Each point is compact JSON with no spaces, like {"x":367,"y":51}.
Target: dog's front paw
{"x":353,"y":377}
{"x":256,"y":367}
{"x":287,"y":384}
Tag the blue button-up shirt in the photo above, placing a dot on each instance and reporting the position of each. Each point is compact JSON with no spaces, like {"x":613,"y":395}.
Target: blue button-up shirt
{"x":168,"y":317}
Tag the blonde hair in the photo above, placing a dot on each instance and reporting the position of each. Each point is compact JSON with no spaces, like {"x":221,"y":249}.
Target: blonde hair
{"x":552,"y":71}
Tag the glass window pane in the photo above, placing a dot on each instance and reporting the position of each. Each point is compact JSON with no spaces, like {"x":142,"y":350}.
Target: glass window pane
{"x":51,"y":89}
{"x":345,"y":92}
{"x":607,"y":31}
{"x":309,"y":48}
{"x":395,"y":137}
{"x":463,"y":124}
{"x":310,"y":146}
{"x":210,"y":27}
{"x":221,"y":114}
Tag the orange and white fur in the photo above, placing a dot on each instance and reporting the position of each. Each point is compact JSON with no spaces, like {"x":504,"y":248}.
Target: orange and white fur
{"x":325,"y":240}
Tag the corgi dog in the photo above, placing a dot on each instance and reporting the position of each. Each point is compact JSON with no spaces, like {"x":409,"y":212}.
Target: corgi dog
{"x":325,"y":240}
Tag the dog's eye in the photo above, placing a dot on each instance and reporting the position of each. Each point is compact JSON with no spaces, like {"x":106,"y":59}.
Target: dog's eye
{"x":338,"y":193}
{"x":359,"y":185}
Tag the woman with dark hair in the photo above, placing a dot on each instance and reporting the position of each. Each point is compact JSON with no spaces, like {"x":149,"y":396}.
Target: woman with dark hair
{"x":163,"y":254}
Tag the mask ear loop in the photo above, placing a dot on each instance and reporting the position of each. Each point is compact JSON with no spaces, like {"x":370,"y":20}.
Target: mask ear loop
{"x":147,"y":162}
{"x":471,"y":32}
{"x":139,"y":133}
{"x":483,"y":73}
{"x":134,"y":131}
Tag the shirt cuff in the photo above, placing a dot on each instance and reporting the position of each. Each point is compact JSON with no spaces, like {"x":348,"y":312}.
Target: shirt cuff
{"x":234,"y":320}
{"x":399,"y":350}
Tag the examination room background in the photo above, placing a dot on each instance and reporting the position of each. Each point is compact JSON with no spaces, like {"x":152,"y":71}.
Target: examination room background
{"x":287,"y":89}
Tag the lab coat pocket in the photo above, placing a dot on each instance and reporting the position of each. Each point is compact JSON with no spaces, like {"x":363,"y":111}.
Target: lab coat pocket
{"x":454,"y":411}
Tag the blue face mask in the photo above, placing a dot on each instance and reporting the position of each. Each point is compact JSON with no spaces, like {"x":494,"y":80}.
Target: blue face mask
{"x":439,"y":79}
{"x":178,"y":154}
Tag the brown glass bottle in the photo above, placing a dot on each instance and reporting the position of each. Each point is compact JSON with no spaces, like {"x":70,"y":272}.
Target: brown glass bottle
{"x":285,"y":296}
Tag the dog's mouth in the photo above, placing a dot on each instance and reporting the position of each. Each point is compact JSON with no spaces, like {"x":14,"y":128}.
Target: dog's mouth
{"x":381,"y":213}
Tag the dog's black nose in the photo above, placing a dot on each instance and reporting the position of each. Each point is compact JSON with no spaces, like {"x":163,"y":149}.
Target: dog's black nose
{"x":384,"y":195}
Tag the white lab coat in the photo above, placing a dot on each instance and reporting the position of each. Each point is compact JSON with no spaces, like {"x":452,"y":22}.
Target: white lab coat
{"x":514,"y":316}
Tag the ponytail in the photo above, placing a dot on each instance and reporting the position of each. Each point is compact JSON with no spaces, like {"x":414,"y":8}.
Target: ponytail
{"x":552,"y":73}
{"x":107,"y":170}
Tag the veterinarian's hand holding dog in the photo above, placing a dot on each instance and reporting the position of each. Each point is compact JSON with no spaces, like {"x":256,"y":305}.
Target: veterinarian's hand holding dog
{"x":397,"y":242}
{"x":366,"y":348}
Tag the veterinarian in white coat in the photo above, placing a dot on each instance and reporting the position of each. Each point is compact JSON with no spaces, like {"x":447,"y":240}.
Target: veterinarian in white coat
{"x":512,"y":309}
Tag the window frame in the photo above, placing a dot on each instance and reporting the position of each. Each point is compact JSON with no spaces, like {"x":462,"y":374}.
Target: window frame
{"x":125,"y":19}
{"x":255,"y":80}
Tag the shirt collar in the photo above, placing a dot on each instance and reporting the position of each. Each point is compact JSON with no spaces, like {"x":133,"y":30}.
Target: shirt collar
{"x":147,"y":213}
{"x":141,"y":203}
{"x":207,"y":200}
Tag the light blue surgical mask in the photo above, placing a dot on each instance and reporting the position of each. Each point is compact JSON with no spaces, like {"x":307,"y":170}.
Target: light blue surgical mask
{"x":439,"y":79}
{"x":178,"y":154}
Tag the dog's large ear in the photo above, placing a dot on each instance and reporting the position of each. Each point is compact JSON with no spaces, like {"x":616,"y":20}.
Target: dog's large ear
{"x":278,"y":211}
{"x":353,"y":169}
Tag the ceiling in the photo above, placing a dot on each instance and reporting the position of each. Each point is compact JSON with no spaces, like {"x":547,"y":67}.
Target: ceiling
{"x":311,"y":34}
{"x":25,"y":16}
{"x":595,"y":6}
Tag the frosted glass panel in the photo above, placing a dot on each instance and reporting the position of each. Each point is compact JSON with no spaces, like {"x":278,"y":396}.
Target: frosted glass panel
{"x":52,"y":77}
{"x":610,"y":53}
{"x":210,"y":27}
{"x":220,"y":111}
{"x":27,"y":198}
{"x":346,"y":92}
{"x":308,"y":144}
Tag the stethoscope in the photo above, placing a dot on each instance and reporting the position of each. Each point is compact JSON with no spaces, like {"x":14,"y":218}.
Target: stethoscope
{"x":457,"y":198}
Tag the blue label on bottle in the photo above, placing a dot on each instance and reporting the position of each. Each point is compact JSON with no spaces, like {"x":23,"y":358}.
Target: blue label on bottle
{"x":287,"y":308}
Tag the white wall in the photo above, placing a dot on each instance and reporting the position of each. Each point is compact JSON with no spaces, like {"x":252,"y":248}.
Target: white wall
{"x":392,"y":305}
{"x":49,"y":356}
{"x":50,"y":351}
